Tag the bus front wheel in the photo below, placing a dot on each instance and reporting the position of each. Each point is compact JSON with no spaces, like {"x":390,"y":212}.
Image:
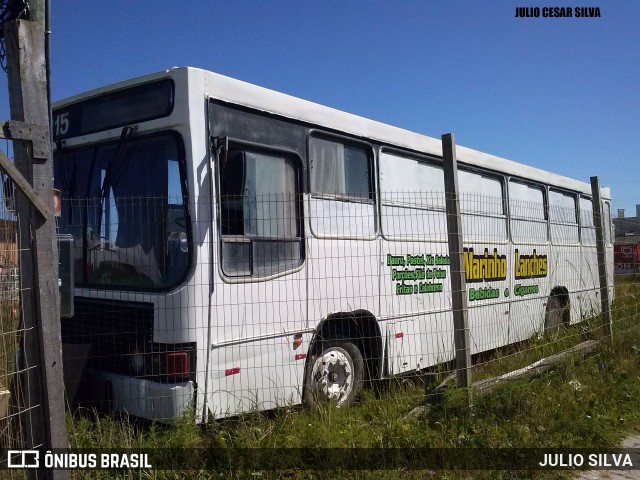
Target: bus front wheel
{"x":335,"y":374}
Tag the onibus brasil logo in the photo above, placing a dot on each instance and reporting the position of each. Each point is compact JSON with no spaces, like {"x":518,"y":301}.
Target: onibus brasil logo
{"x":72,"y":460}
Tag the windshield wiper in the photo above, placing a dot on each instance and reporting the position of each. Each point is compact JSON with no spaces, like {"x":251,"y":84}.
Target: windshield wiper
{"x":114,"y":168}
{"x":115,"y":165}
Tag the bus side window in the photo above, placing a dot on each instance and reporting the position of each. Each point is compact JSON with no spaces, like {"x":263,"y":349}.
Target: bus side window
{"x":342,"y":196}
{"x":339,"y":169}
{"x":177,"y":258}
{"x":606,"y":212}
{"x":527,"y":213}
{"x":482,"y":207}
{"x":562,"y":216}
{"x":232,"y":186}
{"x":412,"y":199}
{"x":259,"y":225}
{"x":587,"y":227}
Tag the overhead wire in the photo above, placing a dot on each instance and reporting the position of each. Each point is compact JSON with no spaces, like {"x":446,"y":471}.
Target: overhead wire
{"x":10,"y":10}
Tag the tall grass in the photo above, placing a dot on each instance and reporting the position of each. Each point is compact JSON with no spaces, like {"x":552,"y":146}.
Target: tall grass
{"x":582,"y":403}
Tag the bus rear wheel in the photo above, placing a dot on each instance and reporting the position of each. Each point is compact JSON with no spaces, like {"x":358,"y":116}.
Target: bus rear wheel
{"x":334,"y":374}
{"x":558,"y":311}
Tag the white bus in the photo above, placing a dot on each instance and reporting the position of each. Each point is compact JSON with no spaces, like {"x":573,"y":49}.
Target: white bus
{"x":237,"y":248}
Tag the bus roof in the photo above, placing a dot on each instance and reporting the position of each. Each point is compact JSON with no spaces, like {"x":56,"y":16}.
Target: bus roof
{"x":270,"y":101}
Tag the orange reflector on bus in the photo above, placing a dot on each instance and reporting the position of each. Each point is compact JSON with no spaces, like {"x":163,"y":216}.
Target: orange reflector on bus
{"x":57,"y":203}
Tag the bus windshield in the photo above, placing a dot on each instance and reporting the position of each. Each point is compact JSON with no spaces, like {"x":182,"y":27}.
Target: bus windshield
{"x":124,"y":202}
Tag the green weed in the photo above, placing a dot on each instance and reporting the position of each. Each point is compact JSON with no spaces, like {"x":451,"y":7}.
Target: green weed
{"x":581,"y":403}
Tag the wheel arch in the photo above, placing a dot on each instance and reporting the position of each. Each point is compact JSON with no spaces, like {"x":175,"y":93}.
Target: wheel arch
{"x":359,"y":326}
{"x":562,"y":293}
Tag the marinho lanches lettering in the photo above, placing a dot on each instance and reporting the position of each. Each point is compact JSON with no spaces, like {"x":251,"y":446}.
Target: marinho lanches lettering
{"x":530,"y":266}
{"x":425,"y":273}
{"x":485,"y":267}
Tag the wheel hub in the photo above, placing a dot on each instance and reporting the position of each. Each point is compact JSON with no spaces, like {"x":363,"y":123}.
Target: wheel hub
{"x":333,"y":372}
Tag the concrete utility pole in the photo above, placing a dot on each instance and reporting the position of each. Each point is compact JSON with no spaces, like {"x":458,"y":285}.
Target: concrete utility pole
{"x":458,"y":281}
{"x":43,"y":420}
{"x":602,"y":258}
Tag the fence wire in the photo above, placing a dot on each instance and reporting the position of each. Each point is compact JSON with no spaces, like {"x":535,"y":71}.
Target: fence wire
{"x":253,"y":302}
{"x":17,"y":407}
{"x":212,"y":308}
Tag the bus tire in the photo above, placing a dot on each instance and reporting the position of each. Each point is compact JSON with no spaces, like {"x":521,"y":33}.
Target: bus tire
{"x":335,"y":373}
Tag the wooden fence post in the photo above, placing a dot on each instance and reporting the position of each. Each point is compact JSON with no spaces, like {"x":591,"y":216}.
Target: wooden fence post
{"x":44,"y":418}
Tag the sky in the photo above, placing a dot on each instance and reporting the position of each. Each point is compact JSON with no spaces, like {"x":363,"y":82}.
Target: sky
{"x":561,"y":94}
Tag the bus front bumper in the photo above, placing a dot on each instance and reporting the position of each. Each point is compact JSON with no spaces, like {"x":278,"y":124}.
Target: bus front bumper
{"x":144,"y":398}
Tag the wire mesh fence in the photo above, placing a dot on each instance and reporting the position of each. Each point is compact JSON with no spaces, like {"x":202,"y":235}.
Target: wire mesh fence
{"x":211,"y":308}
{"x":10,"y":326}
{"x":253,"y":302}
{"x":10,"y":298}
{"x":18,"y":407}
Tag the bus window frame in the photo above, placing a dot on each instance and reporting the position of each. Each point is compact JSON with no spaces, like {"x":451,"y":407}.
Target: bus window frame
{"x":608,"y":226}
{"x":373,"y":200}
{"x":545,"y":200}
{"x":576,"y":213}
{"x":591,"y":226}
{"x":501,"y":178}
{"x":226,"y":145}
{"x":409,"y":155}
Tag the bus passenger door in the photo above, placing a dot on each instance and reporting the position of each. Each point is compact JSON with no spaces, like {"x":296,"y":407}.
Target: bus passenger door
{"x":259,"y":317}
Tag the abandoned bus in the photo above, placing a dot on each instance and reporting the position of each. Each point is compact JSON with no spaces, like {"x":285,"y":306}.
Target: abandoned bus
{"x":236,"y":248}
